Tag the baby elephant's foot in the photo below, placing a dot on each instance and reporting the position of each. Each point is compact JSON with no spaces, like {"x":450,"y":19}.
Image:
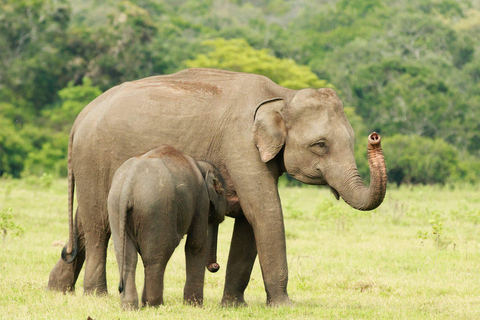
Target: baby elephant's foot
{"x":130,"y":304}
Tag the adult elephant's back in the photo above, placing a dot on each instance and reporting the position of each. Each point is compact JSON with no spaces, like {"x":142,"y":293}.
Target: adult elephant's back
{"x":193,"y":110}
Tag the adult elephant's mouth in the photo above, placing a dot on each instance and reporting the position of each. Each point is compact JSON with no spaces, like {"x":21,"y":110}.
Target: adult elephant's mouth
{"x":335,"y":193}
{"x":309,"y":175}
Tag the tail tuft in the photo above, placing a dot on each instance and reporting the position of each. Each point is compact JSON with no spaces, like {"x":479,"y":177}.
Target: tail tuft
{"x":70,"y":257}
{"x":121,"y":286}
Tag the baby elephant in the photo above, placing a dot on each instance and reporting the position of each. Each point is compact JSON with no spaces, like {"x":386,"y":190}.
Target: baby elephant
{"x":154,"y":200}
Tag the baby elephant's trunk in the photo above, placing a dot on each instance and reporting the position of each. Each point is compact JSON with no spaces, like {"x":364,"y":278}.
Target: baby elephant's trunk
{"x":212,"y":264}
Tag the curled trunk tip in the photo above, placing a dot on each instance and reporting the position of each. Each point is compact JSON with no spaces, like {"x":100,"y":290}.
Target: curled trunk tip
{"x":211,"y":263}
{"x":374,"y":138}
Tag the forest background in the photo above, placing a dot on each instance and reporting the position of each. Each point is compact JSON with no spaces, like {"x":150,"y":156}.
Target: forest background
{"x":408,"y":69}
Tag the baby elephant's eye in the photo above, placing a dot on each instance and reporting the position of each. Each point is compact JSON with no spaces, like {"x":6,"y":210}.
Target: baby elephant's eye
{"x":321,"y":144}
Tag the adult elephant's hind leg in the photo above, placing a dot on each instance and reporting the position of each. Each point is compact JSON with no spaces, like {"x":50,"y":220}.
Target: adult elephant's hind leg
{"x":64,"y":275}
{"x":241,"y":258}
{"x":96,"y":242}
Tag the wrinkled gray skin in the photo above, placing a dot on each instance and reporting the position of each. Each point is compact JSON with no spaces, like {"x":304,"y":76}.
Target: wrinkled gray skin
{"x":155,"y":199}
{"x":252,"y":129}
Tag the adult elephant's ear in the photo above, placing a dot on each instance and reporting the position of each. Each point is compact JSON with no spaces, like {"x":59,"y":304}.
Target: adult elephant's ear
{"x":269,"y":130}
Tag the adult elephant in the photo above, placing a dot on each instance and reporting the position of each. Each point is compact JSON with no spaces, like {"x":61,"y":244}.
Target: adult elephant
{"x":252,"y":129}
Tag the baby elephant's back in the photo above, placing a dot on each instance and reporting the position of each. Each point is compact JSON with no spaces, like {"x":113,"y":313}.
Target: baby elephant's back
{"x":167,"y":185}
{"x":167,"y":165}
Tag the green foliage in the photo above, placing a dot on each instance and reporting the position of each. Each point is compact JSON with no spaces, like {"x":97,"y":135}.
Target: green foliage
{"x":50,"y":152}
{"x":50,"y":158}
{"x":238,"y":55}
{"x":7,"y":226}
{"x":72,"y":100}
{"x":333,"y":214}
{"x":32,"y":37}
{"x":437,"y":222}
{"x":13,"y":149}
{"x":400,"y":66}
{"x":409,"y":92}
{"x":462,"y":212}
{"x":467,"y":170}
{"x":437,"y":230}
{"x":44,"y":181}
{"x":361,"y":139}
{"x":414,"y":159}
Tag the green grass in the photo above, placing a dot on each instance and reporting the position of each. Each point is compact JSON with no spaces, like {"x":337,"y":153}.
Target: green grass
{"x":385,"y":264}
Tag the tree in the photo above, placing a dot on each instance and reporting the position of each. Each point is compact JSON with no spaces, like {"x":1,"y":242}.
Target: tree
{"x":50,"y":152}
{"x":238,"y":55}
{"x":113,"y":51}
{"x":32,"y":38}
{"x":72,"y":101}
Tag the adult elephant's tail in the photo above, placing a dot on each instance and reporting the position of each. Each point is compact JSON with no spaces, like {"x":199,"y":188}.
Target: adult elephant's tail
{"x":69,"y":252}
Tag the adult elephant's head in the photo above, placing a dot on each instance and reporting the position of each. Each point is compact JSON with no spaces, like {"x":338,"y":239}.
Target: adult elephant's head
{"x":316,"y":140}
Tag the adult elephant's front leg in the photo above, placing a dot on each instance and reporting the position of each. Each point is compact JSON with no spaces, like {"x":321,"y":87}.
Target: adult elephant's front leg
{"x":269,"y":233}
{"x":258,"y":195}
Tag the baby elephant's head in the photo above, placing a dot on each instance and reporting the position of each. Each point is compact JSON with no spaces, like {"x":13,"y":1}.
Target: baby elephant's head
{"x":217,"y":194}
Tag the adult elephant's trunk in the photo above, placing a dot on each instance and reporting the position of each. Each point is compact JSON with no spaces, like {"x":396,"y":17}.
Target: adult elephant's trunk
{"x":212,"y":264}
{"x":349,"y":184}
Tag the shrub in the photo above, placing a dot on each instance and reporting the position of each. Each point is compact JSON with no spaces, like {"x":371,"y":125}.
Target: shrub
{"x":7,"y":226}
{"x":50,"y":158}
{"x":414,"y":159}
{"x":13,"y":149}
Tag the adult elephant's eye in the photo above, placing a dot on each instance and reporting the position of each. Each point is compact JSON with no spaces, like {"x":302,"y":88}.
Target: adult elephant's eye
{"x":319,"y":147}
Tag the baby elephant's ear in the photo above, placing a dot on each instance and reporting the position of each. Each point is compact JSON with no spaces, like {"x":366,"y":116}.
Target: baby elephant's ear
{"x":214,"y":188}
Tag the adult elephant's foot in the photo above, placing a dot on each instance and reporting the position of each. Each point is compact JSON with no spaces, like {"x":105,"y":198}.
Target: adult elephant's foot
{"x":234,"y":301}
{"x":281,"y":301}
{"x":61,"y":278}
{"x":98,"y":289}
{"x":64,"y":275}
{"x":97,"y":284}
{"x":239,"y":301}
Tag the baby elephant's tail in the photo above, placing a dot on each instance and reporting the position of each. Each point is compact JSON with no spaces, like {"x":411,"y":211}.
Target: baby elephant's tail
{"x":123,"y":208}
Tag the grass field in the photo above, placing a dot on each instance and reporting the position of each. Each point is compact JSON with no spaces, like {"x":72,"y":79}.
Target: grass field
{"x":416,"y":257}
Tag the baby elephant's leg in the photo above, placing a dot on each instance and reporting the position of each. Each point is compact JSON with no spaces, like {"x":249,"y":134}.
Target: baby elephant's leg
{"x":154,"y":276}
{"x":129,"y":296}
{"x":153,"y":289}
